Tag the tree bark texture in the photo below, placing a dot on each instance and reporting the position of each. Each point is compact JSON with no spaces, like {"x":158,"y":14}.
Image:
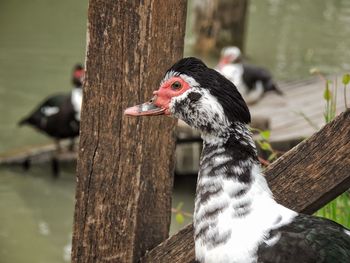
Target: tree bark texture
{"x":125,"y":165}
{"x":304,"y":179}
{"x":219,"y":23}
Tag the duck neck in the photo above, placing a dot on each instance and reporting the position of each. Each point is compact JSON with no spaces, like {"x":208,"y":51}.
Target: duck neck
{"x":234,"y":141}
{"x":234,"y":207}
{"x":76,"y":100}
{"x":229,"y":166}
{"x":229,"y":185}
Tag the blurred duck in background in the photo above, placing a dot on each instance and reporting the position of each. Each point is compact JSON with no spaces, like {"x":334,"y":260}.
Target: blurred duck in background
{"x":251,"y":81}
{"x":59,"y":115}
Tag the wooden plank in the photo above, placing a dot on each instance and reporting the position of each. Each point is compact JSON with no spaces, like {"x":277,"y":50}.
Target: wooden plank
{"x":305,"y":97}
{"x":178,"y":248}
{"x":296,"y":83}
{"x":300,"y":91}
{"x":37,"y":155}
{"x":316,"y":171}
{"x":125,"y":165}
{"x":304,"y":179}
{"x":296,"y":126}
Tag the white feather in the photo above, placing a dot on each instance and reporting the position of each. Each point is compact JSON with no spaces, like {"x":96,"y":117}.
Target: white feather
{"x":248,"y":232}
{"x":273,"y":240}
{"x":76,"y":99}
{"x":347,"y":232}
{"x":234,"y":73}
{"x":48,"y":110}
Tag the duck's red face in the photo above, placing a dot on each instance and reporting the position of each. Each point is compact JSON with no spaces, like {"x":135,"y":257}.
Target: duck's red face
{"x":78,"y":73}
{"x":159,"y":104}
{"x":224,"y":60}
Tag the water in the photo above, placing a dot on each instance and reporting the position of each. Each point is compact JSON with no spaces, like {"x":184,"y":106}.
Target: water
{"x":40,"y":41}
{"x":291,"y":37}
{"x":36,"y":215}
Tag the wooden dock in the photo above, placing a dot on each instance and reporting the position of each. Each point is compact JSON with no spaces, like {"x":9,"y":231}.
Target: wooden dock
{"x":37,"y":155}
{"x":302,"y":103}
{"x":288,"y":118}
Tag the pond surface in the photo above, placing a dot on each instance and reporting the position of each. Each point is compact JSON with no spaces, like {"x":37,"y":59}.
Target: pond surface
{"x":291,"y":37}
{"x":40,"y":41}
{"x":36,"y":215}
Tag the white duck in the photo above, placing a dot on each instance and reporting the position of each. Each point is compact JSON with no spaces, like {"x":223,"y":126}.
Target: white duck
{"x":236,"y":219}
{"x":251,"y":81}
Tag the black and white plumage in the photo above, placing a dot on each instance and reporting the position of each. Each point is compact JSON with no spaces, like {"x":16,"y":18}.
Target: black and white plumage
{"x":59,"y":115}
{"x":251,"y":81}
{"x":236,"y":219}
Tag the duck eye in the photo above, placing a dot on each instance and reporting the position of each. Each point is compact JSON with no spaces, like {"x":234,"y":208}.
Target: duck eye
{"x":176,"y":85}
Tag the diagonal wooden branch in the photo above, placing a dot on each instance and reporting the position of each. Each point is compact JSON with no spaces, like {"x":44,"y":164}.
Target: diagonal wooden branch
{"x":304,"y":179}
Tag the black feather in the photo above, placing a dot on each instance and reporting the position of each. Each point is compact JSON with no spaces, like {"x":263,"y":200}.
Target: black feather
{"x":307,"y":239}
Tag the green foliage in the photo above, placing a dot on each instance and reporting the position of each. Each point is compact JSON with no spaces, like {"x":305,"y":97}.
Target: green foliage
{"x":327,"y":95}
{"x":331,"y":101}
{"x":180,"y":214}
{"x":330,"y":96}
{"x":346,"y":80}
{"x":265,"y":134}
{"x":264,"y":143}
{"x":337,"y":210}
{"x":266,"y":146}
{"x":179,"y":218}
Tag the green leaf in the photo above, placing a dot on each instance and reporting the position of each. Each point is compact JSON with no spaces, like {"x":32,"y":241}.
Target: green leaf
{"x":327,"y":95}
{"x":272,"y":157}
{"x":265,"y":146}
{"x":180,"y":218}
{"x":265,"y":134}
{"x":346,"y":79}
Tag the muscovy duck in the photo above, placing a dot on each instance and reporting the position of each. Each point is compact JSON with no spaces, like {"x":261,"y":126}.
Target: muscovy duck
{"x":251,"y":81}
{"x":236,"y":219}
{"x":59,"y":115}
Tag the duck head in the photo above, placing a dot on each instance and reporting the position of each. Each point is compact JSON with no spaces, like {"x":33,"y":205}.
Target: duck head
{"x":198,"y":95}
{"x":229,"y":55}
{"x":78,"y":75}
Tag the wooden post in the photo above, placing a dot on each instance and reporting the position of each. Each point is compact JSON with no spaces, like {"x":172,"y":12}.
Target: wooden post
{"x":125,"y":165}
{"x":219,"y":23}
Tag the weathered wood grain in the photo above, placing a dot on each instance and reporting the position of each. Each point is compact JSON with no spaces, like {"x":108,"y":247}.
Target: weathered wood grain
{"x":315,"y":171}
{"x":125,"y":165}
{"x":304,"y":179}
